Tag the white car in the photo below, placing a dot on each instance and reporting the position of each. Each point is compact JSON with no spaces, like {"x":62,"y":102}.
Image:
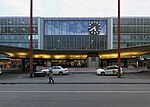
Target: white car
{"x":45,"y":71}
{"x":56,"y":70}
{"x":109,"y":70}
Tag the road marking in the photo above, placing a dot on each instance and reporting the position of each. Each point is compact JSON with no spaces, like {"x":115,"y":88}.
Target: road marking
{"x":75,"y":91}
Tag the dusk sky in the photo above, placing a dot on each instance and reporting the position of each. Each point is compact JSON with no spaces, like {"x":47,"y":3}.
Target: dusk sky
{"x":75,"y":8}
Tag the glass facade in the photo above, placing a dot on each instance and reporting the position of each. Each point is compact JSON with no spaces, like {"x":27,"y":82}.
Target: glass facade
{"x":15,"y":31}
{"x":134,"y":32}
{"x":73,"y":34}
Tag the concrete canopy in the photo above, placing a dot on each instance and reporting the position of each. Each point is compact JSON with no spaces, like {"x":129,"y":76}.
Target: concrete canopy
{"x":16,"y":52}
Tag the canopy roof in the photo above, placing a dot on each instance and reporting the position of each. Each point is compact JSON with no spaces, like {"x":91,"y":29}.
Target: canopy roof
{"x":15,"y":52}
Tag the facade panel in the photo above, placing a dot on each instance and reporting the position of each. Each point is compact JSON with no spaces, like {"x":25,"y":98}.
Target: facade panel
{"x":15,"y":31}
{"x":135,"y":31}
{"x":73,"y":34}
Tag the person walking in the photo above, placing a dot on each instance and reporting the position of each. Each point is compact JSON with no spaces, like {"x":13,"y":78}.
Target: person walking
{"x":50,"y":78}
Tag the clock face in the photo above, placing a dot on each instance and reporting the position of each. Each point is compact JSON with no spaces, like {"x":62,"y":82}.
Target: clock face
{"x":94,"y":28}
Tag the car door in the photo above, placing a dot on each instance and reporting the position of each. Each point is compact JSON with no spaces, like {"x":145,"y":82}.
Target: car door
{"x":114,"y":70}
{"x":56,"y":70}
{"x":108,"y":70}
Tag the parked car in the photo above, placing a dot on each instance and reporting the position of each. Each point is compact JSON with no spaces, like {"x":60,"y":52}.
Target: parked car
{"x":109,"y":70}
{"x":56,"y":70}
{"x":46,"y":71}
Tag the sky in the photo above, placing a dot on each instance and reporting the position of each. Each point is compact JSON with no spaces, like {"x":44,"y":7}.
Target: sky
{"x":75,"y":8}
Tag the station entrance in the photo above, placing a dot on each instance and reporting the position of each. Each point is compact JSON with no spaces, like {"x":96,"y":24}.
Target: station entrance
{"x":69,"y":62}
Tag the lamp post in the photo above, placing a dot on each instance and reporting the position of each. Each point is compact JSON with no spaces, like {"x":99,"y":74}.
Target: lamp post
{"x":31,"y":48}
{"x":119,"y":76}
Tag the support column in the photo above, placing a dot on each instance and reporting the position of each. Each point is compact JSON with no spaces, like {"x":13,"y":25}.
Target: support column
{"x":48,"y":64}
{"x":93,"y":60}
{"x":125,"y":63}
{"x":23,"y":64}
{"x":102,"y":63}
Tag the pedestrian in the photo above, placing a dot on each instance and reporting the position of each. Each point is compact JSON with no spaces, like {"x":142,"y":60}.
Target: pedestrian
{"x":50,"y":78}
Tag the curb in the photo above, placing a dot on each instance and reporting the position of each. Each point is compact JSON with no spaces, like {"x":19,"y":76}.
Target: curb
{"x":82,"y":72}
{"x":69,"y":83}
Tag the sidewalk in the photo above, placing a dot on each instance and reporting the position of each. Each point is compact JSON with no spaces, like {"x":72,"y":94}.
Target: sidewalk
{"x":139,"y":78}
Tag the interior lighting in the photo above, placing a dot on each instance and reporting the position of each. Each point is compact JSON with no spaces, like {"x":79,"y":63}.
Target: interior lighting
{"x":22,"y":54}
{"x":133,"y":56}
{"x":109,"y":56}
{"x":59,"y":56}
{"x":46,"y":56}
{"x":10,"y":54}
{"x":123,"y":55}
{"x":129,"y":53}
{"x":42,"y":56}
{"x":77,"y":56}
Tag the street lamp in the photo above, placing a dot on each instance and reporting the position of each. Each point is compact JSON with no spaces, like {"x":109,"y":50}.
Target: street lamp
{"x":119,"y":76}
{"x":31,"y":48}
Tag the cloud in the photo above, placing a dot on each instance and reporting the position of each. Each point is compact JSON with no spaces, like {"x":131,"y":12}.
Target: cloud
{"x":39,"y":7}
{"x":22,"y":7}
{"x":76,"y":8}
{"x":88,"y":7}
{"x":135,"y":7}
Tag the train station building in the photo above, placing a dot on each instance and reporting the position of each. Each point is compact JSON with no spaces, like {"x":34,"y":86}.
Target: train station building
{"x":76,"y":42}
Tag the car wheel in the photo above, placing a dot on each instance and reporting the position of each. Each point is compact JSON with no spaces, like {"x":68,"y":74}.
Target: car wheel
{"x":45,"y":73}
{"x":103,"y":73}
{"x":60,"y":73}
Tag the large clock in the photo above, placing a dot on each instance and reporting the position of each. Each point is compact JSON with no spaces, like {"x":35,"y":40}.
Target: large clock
{"x":94,"y":28}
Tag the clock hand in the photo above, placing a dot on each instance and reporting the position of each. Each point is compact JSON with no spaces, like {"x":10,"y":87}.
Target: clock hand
{"x":94,"y":28}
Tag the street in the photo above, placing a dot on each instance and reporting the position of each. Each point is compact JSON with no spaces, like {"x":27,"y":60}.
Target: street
{"x":75,"y":90}
{"x":74,"y":95}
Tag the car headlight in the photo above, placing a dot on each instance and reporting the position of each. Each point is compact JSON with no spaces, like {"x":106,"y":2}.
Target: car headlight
{"x":98,"y":72}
